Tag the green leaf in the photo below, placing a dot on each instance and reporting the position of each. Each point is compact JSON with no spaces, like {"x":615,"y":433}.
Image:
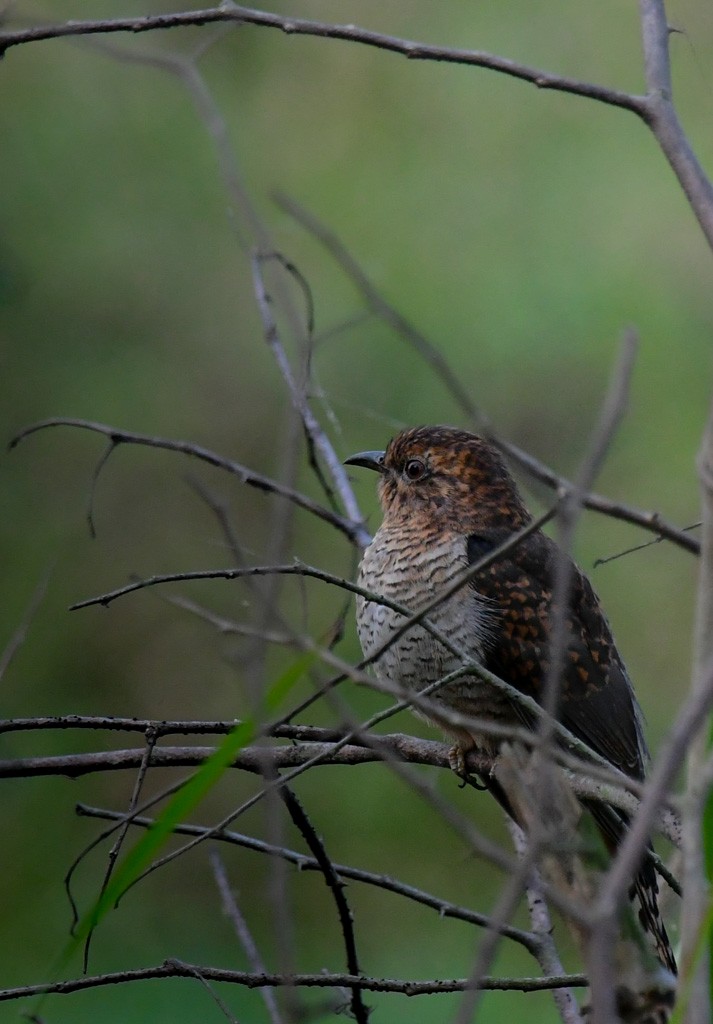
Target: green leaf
{"x":144,"y":851}
{"x":187,"y":798}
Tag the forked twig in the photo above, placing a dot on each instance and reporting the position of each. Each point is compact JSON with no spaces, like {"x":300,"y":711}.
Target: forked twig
{"x":247,"y":476}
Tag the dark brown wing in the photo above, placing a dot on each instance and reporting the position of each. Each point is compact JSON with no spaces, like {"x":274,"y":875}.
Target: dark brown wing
{"x":597,"y":701}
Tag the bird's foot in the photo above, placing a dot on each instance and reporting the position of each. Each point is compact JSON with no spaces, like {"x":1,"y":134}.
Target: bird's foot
{"x":457,"y":763}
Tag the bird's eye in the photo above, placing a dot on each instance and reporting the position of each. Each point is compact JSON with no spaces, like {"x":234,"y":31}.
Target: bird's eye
{"x":414,"y":469}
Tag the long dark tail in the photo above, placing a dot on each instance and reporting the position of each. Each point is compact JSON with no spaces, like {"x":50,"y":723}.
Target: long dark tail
{"x":612,"y":825}
{"x":647,"y":891}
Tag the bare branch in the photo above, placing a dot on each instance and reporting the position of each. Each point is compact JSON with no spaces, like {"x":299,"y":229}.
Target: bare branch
{"x":351,"y":33}
{"x":569,"y":513}
{"x":444,"y":908}
{"x":698,"y":778}
{"x":358,"y":1010}
{"x":505,"y":906}
{"x":162,"y":728}
{"x":353,"y":747}
{"x":143,"y":767}
{"x":250,"y":758}
{"x":316,"y":435}
{"x":660,"y":114}
{"x":617,"y":880}
{"x":20,"y":635}
{"x":547,"y":955}
{"x":637,"y":547}
{"x":545,"y":798}
{"x":469,"y":665}
{"x":377,"y":304}
{"x":593,"y":779}
{"x":177,"y":969}
{"x":231,"y":909}
{"x":199,"y":974}
{"x":406,"y":748}
{"x":246,"y":476}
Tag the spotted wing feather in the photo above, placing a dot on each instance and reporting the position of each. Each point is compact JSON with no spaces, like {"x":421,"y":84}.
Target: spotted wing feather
{"x":597,"y":701}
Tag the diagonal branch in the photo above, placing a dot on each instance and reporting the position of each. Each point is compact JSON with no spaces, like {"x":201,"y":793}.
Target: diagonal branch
{"x":247,"y":476}
{"x":303,"y":862}
{"x":231,"y":910}
{"x":662,"y":118}
{"x":347,"y":671}
{"x":359,"y":1011}
{"x":318,"y":439}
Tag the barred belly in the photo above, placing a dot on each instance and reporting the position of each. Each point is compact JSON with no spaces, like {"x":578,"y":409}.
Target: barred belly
{"x":413,"y":575}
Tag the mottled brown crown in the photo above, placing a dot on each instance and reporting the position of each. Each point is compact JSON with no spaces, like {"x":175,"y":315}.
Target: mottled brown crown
{"x":452,"y":475}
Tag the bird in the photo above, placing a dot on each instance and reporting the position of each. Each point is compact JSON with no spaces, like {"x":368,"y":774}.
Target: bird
{"x":448,"y":500}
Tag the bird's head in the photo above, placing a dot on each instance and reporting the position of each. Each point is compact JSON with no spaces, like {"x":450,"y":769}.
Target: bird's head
{"x":447,"y":475}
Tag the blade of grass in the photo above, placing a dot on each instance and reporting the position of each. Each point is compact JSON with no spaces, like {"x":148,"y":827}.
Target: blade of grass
{"x":179,"y":806}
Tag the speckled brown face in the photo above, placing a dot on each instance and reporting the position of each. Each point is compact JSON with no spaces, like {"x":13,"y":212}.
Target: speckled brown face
{"x":450,"y":473}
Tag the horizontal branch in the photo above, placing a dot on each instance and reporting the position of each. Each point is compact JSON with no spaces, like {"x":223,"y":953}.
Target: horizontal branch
{"x":406,"y":748}
{"x":178,"y":969}
{"x":160,"y":727}
{"x":350,"y":33}
{"x":157,"y":728}
{"x":590,"y":773}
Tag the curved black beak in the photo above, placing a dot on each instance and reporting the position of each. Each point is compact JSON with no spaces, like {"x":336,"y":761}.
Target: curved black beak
{"x":369,"y":460}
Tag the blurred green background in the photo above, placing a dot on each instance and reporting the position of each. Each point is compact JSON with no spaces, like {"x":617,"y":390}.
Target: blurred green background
{"x":521,"y":231}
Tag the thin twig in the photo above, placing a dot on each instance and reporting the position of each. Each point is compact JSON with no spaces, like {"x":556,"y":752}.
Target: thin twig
{"x":547,"y":954}
{"x":507,"y":900}
{"x":143,"y":767}
{"x":358,"y":1009}
{"x":469,"y":665}
{"x":199,"y":974}
{"x":377,"y":304}
{"x":697,"y":795}
{"x":161,"y":727}
{"x":125,"y":817}
{"x":616,"y":881}
{"x":444,"y":908}
{"x":569,"y":512}
{"x":20,"y":635}
{"x":317,"y":436}
{"x":611,"y":414}
{"x":247,"y":476}
{"x":232,"y":911}
{"x":637,"y":547}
